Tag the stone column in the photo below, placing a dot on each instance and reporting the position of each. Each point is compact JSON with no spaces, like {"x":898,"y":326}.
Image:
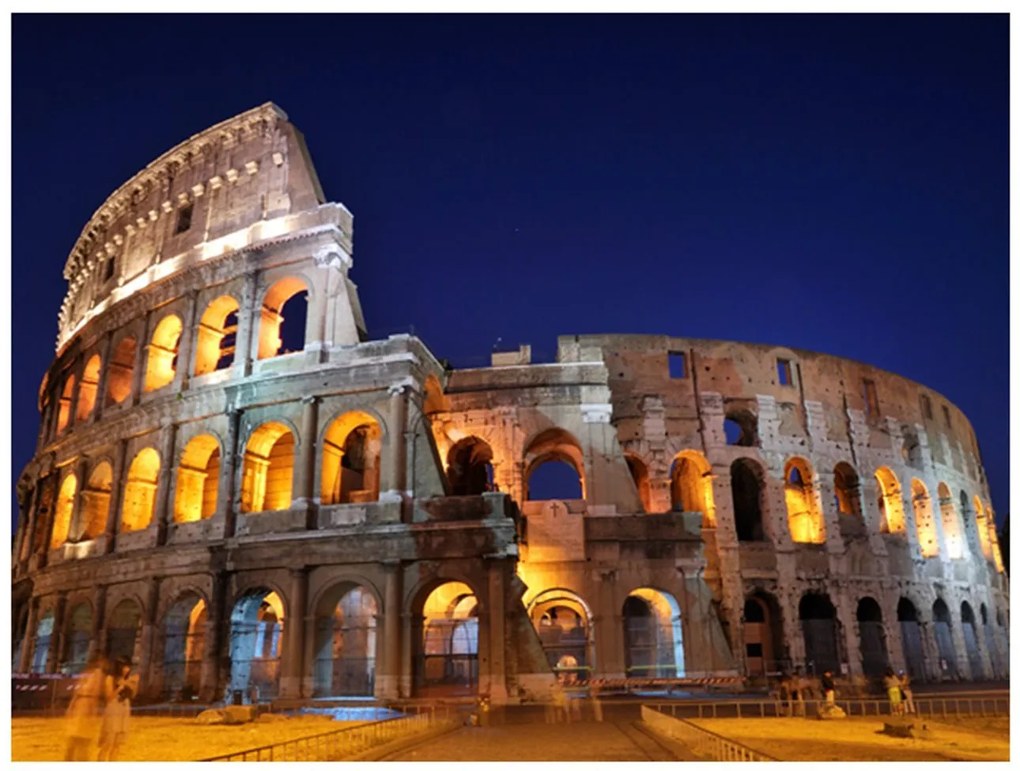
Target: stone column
{"x":232,"y":462}
{"x":104,"y":368}
{"x":846,"y":616}
{"x":793,"y":633}
{"x":607,"y":626}
{"x":97,"y":644}
{"x":824,"y":499}
{"x":245,"y":337}
{"x":150,"y":682}
{"x":186,"y":347}
{"x":116,"y":495}
{"x":387,"y":680}
{"x":410,"y":626}
{"x":54,"y":654}
{"x":217,"y":631}
{"x":294,"y":628}
{"x":141,"y":361}
{"x":167,"y":437}
{"x":496,"y":689}
{"x":28,"y":645}
{"x":72,"y":409}
{"x":393,"y":484}
{"x":304,"y":473}
{"x":77,"y":527}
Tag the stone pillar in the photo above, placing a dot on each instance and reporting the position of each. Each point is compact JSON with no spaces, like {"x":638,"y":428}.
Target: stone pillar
{"x":117,"y":494}
{"x":393,"y":484}
{"x":496,"y":688}
{"x":163,"y":515}
{"x":54,"y":654}
{"x":104,"y":368}
{"x":410,"y":628}
{"x":149,"y":681}
{"x":825,"y":495}
{"x":186,"y":347}
{"x":244,"y":339}
{"x":72,"y":409}
{"x":793,"y":633}
{"x":217,"y":633}
{"x":231,"y":464}
{"x":76,"y":527}
{"x":97,"y":644}
{"x":28,"y":645}
{"x":846,"y":615}
{"x":294,"y":628}
{"x":387,"y":679}
{"x":607,"y":626}
{"x":141,"y":361}
{"x":304,"y":473}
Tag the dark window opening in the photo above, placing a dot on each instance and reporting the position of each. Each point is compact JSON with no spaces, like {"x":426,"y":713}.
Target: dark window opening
{"x":228,"y":345}
{"x":784,"y":372}
{"x":926,"y":406}
{"x":554,"y":480}
{"x":183,"y":218}
{"x":677,"y":364}
{"x":870,"y":398}
{"x":741,"y":428}
{"x":945,"y":414}
{"x":754,"y":650}
{"x":108,"y":272}
{"x":746,"y":484}
{"x":294,"y":315}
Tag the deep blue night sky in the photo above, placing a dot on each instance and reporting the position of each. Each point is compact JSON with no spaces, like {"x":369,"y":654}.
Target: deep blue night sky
{"x":835,"y":183}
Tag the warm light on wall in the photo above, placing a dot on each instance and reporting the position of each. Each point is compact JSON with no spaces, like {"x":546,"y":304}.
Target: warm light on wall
{"x":87,"y":389}
{"x":271,"y":320}
{"x":803,"y":512}
{"x":927,"y":535}
{"x":140,"y":491}
{"x":96,"y":500}
{"x":951,"y":529}
{"x":890,"y":501}
{"x":350,"y":459}
{"x":197,"y":479}
{"x":268,"y":469}
{"x":162,"y":361}
{"x":63,"y":511}
{"x":213,"y":342}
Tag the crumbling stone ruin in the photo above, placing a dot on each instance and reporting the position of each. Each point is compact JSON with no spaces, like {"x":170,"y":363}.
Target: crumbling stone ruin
{"x":241,"y":490}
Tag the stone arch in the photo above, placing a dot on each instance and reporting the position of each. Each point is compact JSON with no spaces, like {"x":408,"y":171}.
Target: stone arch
{"x":140,"y":491}
{"x":763,"y":634}
{"x":184,"y":627}
{"x":96,"y":500}
{"x":256,"y":643}
{"x":554,"y":445}
{"x":161,"y":363}
{"x":77,"y":638}
{"x":981,"y":524}
{"x":927,"y":534}
{"x":271,"y":325}
{"x":639,"y":473}
{"x":122,"y":627}
{"x":740,"y":427}
{"x":63,"y":510}
{"x":42,"y":639}
{"x":804,"y":516}
{"x":469,"y":467}
{"x":910,"y":634}
{"x":890,"y":501}
{"x":120,"y":371}
{"x":346,"y":639}
{"x":691,"y":485}
{"x":267,"y":477}
{"x":88,"y":387}
{"x":198,"y":477}
{"x":216,"y":336}
{"x":446,"y":648}
{"x":562,"y":620}
{"x":747,"y":483}
{"x":871,"y":633}
{"x":351,"y":455}
{"x":970,"y":641}
{"x":819,"y":624}
{"x":847,"y":489}
{"x":951,"y":529}
{"x":653,"y":634}
{"x":64,"y":405}
{"x":942,"y":622}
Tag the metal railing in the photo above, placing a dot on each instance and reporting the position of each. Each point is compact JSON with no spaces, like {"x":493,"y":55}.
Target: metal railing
{"x":345,"y":743}
{"x":702,"y":742}
{"x":924,"y":706}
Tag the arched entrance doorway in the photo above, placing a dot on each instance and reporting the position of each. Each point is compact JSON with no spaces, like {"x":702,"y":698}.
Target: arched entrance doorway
{"x":970,"y":641}
{"x":563,"y":622}
{"x":821,"y":641}
{"x":763,"y":635}
{"x":910,"y":633}
{"x":41,"y":643}
{"x":79,"y":636}
{"x":447,"y":661}
{"x":256,"y":642}
{"x":874,"y":657}
{"x":345,"y":642}
{"x":122,"y":635}
{"x":653,"y":638}
{"x":944,"y":639}
{"x":184,"y":647}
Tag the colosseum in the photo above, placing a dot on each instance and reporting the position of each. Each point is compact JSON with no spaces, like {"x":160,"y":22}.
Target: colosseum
{"x":240,"y":489}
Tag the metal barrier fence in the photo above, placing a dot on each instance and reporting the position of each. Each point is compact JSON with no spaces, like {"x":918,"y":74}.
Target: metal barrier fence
{"x":925,"y":706}
{"x":702,"y":742}
{"x":344,"y":743}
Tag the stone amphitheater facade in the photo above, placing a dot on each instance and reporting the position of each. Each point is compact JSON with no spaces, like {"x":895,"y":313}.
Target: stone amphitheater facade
{"x":352,"y":518}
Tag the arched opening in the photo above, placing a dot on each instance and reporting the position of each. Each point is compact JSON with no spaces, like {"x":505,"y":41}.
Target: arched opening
{"x":447,"y":663}
{"x":554,"y":467}
{"x":120,"y":370}
{"x":351,"y":450}
{"x":803,"y":513}
{"x":256,"y":642}
{"x":563,"y":622}
{"x":874,"y":656}
{"x":88,"y":388}
{"x":993,"y":536}
{"x":847,"y":489}
{"x":821,"y":641}
{"x":345,"y":642}
{"x":653,"y":637}
{"x":469,"y":467}
{"x":268,"y":473}
{"x":951,"y":529}
{"x":198,"y":478}
{"x":970,"y":641}
{"x":890,"y":501}
{"x":216,"y":337}
{"x":639,"y":473}
{"x":63,"y":511}
{"x":64,"y":407}
{"x":162,"y":360}
{"x":944,"y":639}
{"x":740,"y":427}
{"x":96,"y":500}
{"x":122,"y":636}
{"x":140,"y":491}
{"x":77,"y":640}
{"x":763,"y":635}
{"x":691,"y":486}
{"x":994,"y":656}
{"x":184,"y":648}
{"x":927,"y":534}
{"x":284,"y":317}
{"x":747,"y":485}
{"x":981,"y":524}
{"x":41,"y":643}
{"x":910,"y":633}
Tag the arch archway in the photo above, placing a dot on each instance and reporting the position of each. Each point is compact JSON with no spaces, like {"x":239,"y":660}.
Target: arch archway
{"x":216,"y":337}
{"x":910,"y":634}
{"x":41,"y":641}
{"x":268,"y":474}
{"x":345,"y":642}
{"x":847,"y":489}
{"x":763,"y":635}
{"x":63,"y":510}
{"x":64,"y":406}
{"x":557,"y":458}
{"x":469,"y":467}
{"x":927,"y":534}
{"x":77,"y":639}
{"x":198,"y":478}
{"x":351,"y":449}
{"x":803,"y":513}
{"x":970,"y":641}
{"x":96,"y":500}
{"x":944,"y":639}
{"x":747,"y":481}
{"x":284,"y":318}
{"x":140,"y":491}
{"x":981,"y":524}
{"x":88,"y":387}
{"x":562,"y":620}
{"x":447,"y":660}
{"x":820,"y":628}
{"x":184,"y":647}
{"x":653,"y":634}
{"x":161,"y":366}
{"x":123,"y":626}
{"x":120,"y":370}
{"x":874,"y":655}
{"x":691,"y":485}
{"x":639,"y":473}
{"x":890,"y":501}
{"x":951,"y":529}
{"x":256,"y":645}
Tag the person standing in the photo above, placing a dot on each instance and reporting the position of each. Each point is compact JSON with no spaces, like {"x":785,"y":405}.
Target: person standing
{"x":829,"y":687}
{"x":120,"y":688}
{"x":906,"y":692}
{"x":84,"y":711}
{"x":891,"y":683}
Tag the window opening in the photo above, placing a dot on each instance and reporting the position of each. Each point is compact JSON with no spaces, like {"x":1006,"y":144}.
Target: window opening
{"x":677,"y":365}
{"x":784,"y":372}
{"x":183,"y":219}
{"x":870,"y":398}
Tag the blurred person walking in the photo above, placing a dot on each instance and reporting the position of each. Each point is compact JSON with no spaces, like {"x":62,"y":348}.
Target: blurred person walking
{"x":84,"y":710}
{"x":891,"y":683}
{"x":120,"y":687}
